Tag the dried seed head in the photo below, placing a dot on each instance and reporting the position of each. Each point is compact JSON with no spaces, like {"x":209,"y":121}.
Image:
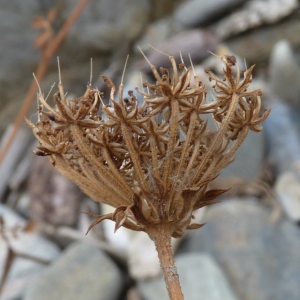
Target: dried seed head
{"x":152,"y":163}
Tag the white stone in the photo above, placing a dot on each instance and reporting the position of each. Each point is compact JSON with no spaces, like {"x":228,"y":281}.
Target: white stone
{"x":288,"y":190}
{"x":22,"y":271}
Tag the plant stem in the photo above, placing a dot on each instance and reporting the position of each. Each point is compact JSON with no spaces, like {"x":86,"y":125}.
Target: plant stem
{"x":162,"y":239}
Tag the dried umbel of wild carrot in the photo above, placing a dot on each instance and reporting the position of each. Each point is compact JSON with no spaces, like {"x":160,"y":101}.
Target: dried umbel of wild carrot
{"x":153,"y":162}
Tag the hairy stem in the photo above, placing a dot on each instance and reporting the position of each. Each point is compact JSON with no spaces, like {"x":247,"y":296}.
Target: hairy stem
{"x":162,"y":239}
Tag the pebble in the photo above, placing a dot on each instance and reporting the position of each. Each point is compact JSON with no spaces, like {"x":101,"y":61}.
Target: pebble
{"x":201,"y":12}
{"x":17,"y":50}
{"x":142,"y":259}
{"x":256,"y":45}
{"x":249,"y":158}
{"x":284,"y":73}
{"x":287,"y":188}
{"x":196,"y":42}
{"x":23,"y":271}
{"x":53,"y":198}
{"x":254,"y":14}
{"x":282,"y":133}
{"x":157,"y":33}
{"x":103,"y":26}
{"x":161,"y":9}
{"x":18,"y":148}
{"x":82,"y":272}
{"x":200,"y":278}
{"x":260,"y":259}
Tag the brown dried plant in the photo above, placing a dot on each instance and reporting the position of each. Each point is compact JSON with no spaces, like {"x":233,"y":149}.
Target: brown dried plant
{"x":153,"y":162}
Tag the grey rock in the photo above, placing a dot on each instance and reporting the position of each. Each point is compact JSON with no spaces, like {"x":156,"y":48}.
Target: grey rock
{"x":195,"y":42}
{"x":249,"y":158}
{"x":256,"y":45}
{"x":142,"y":259}
{"x":284,"y":73}
{"x":104,"y":26}
{"x":200,"y":278}
{"x":23,"y":271}
{"x":201,"y":12}
{"x":82,"y":272}
{"x":261,"y":259}
{"x":157,"y":33}
{"x":23,"y":202}
{"x":283,"y":138}
{"x":255,"y":13}
{"x":282,"y":133}
{"x":17,"y":149}
{"x":162,"y":8}
{"x":287,"y":188}
{"x":54,"y":199}
{"x":17,"y":50}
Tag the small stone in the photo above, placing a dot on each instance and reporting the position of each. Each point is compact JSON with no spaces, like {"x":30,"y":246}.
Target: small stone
{"x":103,"y":26}
{"x":285,"y":73}
{"x":142,"y":259}
{"x":260,"y":259}
{"x":282,"y":135}
{"x":248,"y":158}
{"x":254,"y":14}
{"x":23,"y":271}
{"x":200,"y":12}
{"x":200,"y":278}
{"x":17,"y":53}
{"x":82,"y":272}
{"x":256,"y":45}
{"x":140,"y":251}
{"x":287,"y":188}
{"x":54,"y":199}
{"x":163,"y":8}
{"x":157,"y":33}
{"x":196,"y":43}
{"x":17,"y":150}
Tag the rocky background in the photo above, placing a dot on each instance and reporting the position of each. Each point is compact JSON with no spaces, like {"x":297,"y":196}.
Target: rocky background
{"x":249,"y":247}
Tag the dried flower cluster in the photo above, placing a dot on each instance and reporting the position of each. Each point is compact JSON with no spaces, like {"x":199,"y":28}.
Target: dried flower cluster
{"x":153,"y":163}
